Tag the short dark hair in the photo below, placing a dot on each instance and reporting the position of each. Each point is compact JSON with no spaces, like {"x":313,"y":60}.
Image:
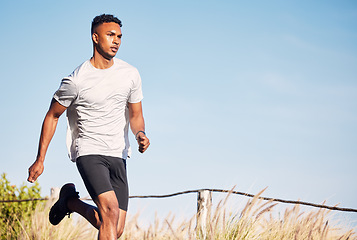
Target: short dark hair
{"x":104,"y":18}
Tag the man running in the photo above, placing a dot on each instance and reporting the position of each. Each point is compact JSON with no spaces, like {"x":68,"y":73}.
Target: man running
{"x":102,"y":98}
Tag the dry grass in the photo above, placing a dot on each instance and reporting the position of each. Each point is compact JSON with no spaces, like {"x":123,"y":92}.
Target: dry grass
{"x":254,"y":221}
{"x":69,"y":228}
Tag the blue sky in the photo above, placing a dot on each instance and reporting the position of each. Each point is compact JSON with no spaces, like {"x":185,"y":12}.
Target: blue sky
{"x":254,"y":94}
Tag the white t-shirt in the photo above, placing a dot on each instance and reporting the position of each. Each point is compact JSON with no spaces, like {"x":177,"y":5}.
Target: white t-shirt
{"x":97,"y":108}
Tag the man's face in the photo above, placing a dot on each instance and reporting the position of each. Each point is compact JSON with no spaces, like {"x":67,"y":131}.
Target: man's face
{"x":107,"y":39}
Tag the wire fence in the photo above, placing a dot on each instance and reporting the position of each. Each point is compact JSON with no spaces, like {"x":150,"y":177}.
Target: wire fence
{"x":334,"y":208}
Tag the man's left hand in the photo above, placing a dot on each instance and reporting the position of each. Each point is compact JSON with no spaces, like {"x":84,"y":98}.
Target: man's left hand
{"x":143,"y":142}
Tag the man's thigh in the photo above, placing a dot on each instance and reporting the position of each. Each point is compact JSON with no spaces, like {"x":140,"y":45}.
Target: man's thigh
{"x":101,"y":174}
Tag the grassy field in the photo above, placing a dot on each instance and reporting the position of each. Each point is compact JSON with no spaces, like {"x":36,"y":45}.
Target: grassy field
{"x":256,"y":220}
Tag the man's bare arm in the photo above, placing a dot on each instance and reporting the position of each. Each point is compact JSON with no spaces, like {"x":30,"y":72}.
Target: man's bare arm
{"x":137,"y":125}
{"x":48,"y":129}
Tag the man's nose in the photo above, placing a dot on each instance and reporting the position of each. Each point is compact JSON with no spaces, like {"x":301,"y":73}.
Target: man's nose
{"x":116,"y":40}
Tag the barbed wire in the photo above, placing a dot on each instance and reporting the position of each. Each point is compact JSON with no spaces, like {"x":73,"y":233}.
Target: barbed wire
{"x":251,"y":195}
{"x":335,"y":208}
{"x":24,"y":200}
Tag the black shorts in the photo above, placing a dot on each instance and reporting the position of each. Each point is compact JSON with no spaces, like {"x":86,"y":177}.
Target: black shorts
{"x":102,"y":173}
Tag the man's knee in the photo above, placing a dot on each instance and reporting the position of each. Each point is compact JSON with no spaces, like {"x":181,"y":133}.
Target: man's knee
{"x":108,"y":205}
{"x":110,"y":211}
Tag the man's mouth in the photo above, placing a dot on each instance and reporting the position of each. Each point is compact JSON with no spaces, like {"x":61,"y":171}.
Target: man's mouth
{"x":114,"y":49}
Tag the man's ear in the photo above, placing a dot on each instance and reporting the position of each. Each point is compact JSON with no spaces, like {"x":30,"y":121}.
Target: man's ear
{"x":95,"y":38}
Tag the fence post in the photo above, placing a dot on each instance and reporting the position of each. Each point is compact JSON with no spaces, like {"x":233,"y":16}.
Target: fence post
{"x":204,"y":203}
{"x":54,"y":193}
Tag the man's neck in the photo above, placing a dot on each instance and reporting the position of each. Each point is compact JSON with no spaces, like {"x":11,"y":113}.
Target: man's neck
{"x":101,"y":62}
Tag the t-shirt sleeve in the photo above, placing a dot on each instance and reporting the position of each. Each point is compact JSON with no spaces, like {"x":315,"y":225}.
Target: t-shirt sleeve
{"x":66,"y":93}
{"x":136,"y":93}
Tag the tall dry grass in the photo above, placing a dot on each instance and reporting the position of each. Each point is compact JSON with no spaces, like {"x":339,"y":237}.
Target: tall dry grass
{"x":256,"y":220}
{"x":41,"y":228}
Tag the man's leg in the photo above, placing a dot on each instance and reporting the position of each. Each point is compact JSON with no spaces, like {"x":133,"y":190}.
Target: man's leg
{"x":109,"y":211}
{"x":94,"y":215}
{"x":121,"y":223}
{"x":89,"y":212}
{"x":102,"y":174}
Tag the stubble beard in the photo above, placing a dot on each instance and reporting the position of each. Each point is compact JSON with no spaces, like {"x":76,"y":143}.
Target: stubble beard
{"x":104,"y":54}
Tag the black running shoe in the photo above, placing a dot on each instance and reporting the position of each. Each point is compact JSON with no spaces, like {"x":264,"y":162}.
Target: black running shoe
{"x":59,"y":210}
